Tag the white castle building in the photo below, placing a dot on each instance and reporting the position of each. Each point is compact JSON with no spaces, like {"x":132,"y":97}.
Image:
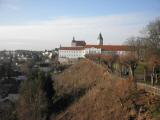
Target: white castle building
{"x":79,"y":49}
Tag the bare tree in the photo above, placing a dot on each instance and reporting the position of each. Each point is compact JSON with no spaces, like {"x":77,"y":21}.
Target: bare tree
{"x":130,"y":61}
{"x":137,"y":46}
{"x":152,"y":37}
{"x":148,"y":44}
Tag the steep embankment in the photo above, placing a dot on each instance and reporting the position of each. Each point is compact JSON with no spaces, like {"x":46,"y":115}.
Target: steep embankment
{"x":106,"y":96}
{"x":80,"y":76}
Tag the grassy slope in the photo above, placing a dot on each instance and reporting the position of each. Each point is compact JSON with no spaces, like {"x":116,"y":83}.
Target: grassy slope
{"x":107,"y":97}
{"x":80,"y":76}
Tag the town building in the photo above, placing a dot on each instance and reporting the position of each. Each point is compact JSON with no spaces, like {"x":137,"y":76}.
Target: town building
{"x":79,"y":43}
{"x":79,"y":49}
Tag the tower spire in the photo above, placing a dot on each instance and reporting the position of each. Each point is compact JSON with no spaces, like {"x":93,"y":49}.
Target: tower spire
{"x":73,"y":38}
{"x":100,"y":38}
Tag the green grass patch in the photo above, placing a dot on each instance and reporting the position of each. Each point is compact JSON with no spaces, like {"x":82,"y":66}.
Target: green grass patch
{"x":140,"y":68}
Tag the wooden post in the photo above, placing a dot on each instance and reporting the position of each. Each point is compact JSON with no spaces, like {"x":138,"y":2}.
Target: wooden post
{"x":144,"y":75}
{"x":156,"y":76}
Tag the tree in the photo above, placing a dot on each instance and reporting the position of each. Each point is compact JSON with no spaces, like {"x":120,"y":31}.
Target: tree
{"x":35,"y":98}
{"x":148,"y":43}
{"x":47,"y":87}
{"x":32,"y":102}
{"x":27,"y":67}
{"x":6,"y":69}
{"x":152,"y":37}
{"x":154,"y":67}
{"x":148,"y":46}
{"x":137,"y":46}
{"x":130,"y":61}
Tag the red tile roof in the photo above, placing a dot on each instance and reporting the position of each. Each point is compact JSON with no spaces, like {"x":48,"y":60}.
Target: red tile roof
{"x":79,"y":43}
{"x":103,"y":47}
{"x":110,"y":47}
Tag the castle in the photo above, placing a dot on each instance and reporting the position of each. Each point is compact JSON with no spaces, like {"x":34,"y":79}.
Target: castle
{"x":79,"y":49}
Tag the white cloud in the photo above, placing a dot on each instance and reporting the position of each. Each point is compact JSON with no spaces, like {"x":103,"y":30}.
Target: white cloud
{"x":50,"y":34}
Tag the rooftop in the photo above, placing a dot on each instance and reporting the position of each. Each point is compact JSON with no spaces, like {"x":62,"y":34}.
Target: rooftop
{"x":72,"y":48}
{"x":79,"y":42}
{"x":103,"y":47}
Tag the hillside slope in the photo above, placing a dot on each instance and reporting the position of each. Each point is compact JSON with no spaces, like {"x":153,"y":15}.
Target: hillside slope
{"x":106,"y":96}
{"x":82,"y":75}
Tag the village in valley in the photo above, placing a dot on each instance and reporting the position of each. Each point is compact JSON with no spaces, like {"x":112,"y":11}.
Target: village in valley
{"x":127,"y":61}
{"x":79,"y":60}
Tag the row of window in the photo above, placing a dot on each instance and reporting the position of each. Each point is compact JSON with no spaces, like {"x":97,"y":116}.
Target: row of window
{"x":67,"y":51}
{"x":71,"y":55}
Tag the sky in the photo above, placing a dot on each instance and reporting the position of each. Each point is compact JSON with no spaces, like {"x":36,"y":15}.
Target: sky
{"x":47,"y":24}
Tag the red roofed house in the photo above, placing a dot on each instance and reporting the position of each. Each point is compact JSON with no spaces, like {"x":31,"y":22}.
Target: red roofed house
{"x":79,"y":49}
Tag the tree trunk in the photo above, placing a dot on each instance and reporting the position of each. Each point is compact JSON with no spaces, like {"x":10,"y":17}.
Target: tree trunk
{"x":130,"y":71}
{"x":132,"y":77}
{"x":156,"y":77}
{"x":152,"y":79}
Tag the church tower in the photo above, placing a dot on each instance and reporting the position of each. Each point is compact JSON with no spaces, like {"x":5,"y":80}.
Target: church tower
{"x":100,"y":39}
{"x":73,"y":39}
{"x":73,"y":43}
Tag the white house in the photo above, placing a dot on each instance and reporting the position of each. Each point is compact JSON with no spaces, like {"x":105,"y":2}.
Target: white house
{"x":79,"y":49}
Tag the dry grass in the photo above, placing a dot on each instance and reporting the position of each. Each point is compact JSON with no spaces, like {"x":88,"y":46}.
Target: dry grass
{"x":83,"y":75}
{"x":105,"y":101}
{"x":107,"y":97}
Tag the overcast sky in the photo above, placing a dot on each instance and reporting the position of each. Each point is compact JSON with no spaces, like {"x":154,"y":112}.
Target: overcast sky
{"x":45,"y":24}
